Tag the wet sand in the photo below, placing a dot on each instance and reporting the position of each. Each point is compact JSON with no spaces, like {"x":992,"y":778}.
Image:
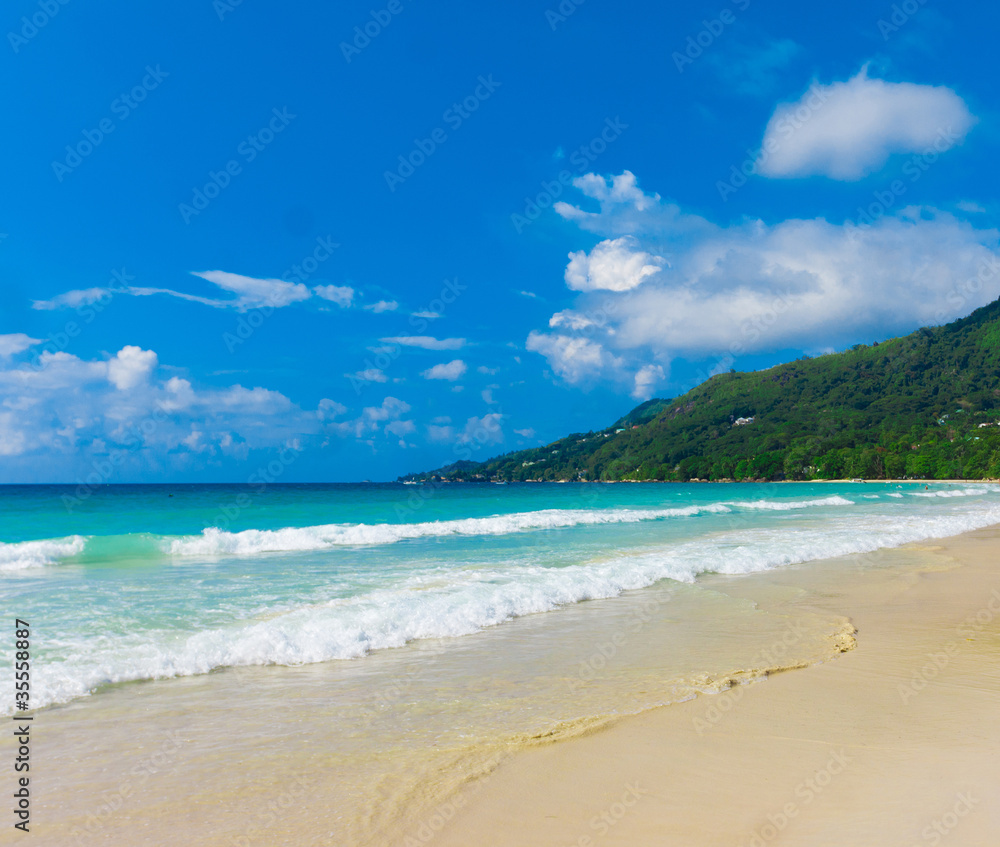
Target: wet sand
{"x":896,"y":742}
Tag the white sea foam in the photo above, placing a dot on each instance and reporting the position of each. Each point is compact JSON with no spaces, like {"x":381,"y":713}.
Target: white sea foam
{"x":789,"y":505}
{"x":22,"y":555}
{"x":216,"y":542}
{"x":953,"y":492}
{"x":447,"y":603}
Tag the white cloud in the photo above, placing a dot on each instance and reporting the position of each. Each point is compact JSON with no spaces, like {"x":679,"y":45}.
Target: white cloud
{"x":329,"y":409}
{"x":848,"y":130}
{"x":252,"y":293}
{"x":400,"y":428}
{"x":371,"y":417}
{"x":342,"y":295}
{"x":132,"y":366}
{"x":369,"y":375}
{"x":70,"y":415}
{"x":15,"y":343}
{"x":646,"y":378}
{"x":430,"y":316}
{"x":449,"y":371}
{"x":574,"y":358}
{"x":382,"y":306}
{"x":758,"y":287}
{"x":425,"y":342}
{"x":72,"y":299}
{"x":484,"y":431}
{"x":525,"y":433}
{"x":620,"y":189}
{"x":439,"y":432}
{"x":613,"y":265}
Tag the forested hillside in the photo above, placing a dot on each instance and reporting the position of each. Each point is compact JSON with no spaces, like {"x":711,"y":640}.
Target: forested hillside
{"x":925,"y":405}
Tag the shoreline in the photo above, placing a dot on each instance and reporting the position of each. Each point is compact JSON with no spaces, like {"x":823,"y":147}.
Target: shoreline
{"x":493,"y":704}
{"x":909,"y":716}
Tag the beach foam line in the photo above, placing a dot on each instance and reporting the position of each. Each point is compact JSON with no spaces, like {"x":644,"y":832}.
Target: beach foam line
{"x":23,"y":555}
{"x":467,"y":600}
{"x":216,"y":542}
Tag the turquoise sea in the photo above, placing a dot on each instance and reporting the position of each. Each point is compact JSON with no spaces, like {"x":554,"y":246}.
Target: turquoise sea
{"x":156,"y":581}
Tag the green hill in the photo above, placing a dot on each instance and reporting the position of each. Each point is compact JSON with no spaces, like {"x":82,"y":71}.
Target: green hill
{"x":924,"y":406}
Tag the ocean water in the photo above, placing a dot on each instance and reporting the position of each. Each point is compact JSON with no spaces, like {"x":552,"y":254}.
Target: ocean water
{"x":154,"y":582}
{"x":386,"y":646}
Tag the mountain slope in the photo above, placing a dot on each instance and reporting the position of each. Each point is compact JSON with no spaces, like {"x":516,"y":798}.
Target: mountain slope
{"x":925,"y":405}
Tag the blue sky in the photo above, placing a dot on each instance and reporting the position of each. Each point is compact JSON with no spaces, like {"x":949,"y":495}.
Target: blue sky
{"x":359,"y":239}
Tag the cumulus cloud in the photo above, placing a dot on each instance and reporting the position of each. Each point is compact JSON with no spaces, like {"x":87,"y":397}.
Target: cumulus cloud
{"x":342,"y":295}
{"x":372,"y":418}
{"x":16,"y":342}
{"x":71,"y":413}
{"x":483,"y":432}
{"x":848,"y":130}
{"x":132,"y":366}
{"x":426,"y":342}
{"x":613,"y":265}
{"x":756,"y":287}
{"x":382,"y":306}
{"x":448,"y":371}
{"x":645,"y":381}
{"x":574,"y":358}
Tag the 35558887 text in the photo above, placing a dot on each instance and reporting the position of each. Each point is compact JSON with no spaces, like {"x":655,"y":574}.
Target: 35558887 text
{"x":22,"y":730}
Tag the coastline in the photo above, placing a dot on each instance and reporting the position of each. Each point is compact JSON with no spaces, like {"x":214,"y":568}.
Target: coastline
{"x":419,"y":744}
{"x":908,"y":718}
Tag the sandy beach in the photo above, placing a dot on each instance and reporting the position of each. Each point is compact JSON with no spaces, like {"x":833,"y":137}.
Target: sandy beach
{"x":893,"y":743}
